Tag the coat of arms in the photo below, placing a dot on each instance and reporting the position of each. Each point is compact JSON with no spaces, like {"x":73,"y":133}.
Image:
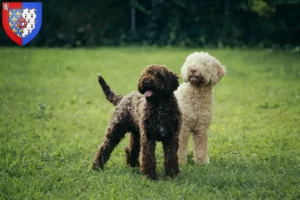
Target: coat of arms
{"x":22,"y":20}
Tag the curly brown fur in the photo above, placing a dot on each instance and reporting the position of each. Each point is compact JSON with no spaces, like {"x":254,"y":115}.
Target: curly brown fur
{"x":151,"y":115}
{"x":109,"y":94}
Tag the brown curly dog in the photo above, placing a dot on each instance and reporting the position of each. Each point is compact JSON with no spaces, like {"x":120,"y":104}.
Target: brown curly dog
{"x":150,"y":115}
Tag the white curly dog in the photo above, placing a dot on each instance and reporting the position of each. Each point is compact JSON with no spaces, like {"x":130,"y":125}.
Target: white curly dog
{"x":200,"y":73}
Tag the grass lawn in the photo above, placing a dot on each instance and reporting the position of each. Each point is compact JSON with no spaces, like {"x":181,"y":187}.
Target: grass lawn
{"x":53,"y":116}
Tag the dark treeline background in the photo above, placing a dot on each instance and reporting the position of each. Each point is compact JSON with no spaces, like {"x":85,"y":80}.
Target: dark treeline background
{"x":214,"y":23}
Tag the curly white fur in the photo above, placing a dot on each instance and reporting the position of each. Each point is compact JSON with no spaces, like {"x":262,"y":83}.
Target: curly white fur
{"x":200,"y":73}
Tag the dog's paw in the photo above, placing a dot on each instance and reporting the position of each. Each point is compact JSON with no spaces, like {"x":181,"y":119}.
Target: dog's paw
{"x":201,"y":160}
{"x":99,"y":75}
{"x":149,"y":177}
{"x":96,"y":166}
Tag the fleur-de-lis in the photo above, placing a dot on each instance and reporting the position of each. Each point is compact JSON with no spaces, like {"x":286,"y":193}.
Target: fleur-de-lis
{"x":14,"y":19}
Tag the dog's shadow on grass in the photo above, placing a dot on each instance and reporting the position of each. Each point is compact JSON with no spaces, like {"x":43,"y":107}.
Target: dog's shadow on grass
{"x":191,"y":173}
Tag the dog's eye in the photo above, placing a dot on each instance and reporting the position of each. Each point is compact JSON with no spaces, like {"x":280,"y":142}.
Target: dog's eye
{"x":160,"y":74}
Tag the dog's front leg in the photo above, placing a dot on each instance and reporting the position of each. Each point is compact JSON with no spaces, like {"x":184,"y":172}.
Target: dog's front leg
{"x":183,"y":144}
{"x":170,"y":157}
{"x":200,"y":145}
{"x":147,"y":157}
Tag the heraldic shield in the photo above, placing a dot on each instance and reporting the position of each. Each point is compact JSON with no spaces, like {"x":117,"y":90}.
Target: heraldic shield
{"x":22,"y":20}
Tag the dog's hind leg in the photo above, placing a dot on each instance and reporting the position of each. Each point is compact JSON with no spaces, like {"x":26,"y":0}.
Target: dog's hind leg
{"x":170,"y":157}
{"x":133,"y":150}
{"x":114,"y":134}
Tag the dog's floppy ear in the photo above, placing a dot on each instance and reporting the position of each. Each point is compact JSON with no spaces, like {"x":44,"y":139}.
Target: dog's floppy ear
{"x":184,"y":73}
{"x":140,"y":85}
{"x":173,"y":81}
{"x":218,"y":71}
{"x":184,"y":77}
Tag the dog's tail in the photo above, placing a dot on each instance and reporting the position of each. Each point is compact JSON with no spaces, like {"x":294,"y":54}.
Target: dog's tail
{"x":109,"y":94}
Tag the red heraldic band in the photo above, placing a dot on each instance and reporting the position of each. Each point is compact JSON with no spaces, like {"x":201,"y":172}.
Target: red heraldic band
{"x":5,"y":19}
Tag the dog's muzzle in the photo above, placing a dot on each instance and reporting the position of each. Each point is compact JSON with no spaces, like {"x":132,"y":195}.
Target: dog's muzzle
{"x":196,"y":80}
{"x":147,"y":91}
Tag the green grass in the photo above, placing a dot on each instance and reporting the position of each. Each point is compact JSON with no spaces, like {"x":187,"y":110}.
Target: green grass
{"x":53,"y":116}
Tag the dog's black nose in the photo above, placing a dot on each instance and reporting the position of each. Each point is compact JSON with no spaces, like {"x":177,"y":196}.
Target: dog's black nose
{"x":193,"y":71}
{"x":147,"y":83}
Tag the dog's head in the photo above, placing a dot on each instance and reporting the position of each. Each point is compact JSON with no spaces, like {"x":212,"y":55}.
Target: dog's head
{"x":201,"y":69}
{"x":156,"y":82}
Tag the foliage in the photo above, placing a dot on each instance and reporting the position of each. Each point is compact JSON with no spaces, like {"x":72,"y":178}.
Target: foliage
{"x":53,"y":117}
{"x":262,"y":8}
{"x":218,"y":23}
